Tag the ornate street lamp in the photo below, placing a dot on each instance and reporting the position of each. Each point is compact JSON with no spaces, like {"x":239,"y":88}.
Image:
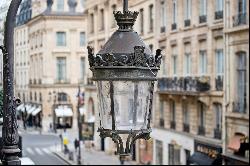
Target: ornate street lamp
{"x":125,"y":71}
{"x":10,"y":133}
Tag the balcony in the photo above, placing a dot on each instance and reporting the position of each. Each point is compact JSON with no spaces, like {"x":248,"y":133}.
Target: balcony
{"x":163,"y":29}
{"x":203,"y":19}
{"x":240,"y":19}
{"x":186,"y":85}
{"x":186,"y":128}
{"x":62,"y":81}
{"x":201,"y":130}
{"x":219,"y":83}
{"x":174,"y":26}
{"x":217,"y":133}
{"x":239,"y":107}
{"x":172,"y":125}
{"x":187,"y":23}
{"x":161,"y":123}
{"x":218,"y":15}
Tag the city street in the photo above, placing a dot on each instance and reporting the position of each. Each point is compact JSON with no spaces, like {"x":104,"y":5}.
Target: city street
{"x":40,"y":148}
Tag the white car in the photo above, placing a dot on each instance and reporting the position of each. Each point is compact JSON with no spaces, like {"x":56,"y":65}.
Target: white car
{"x":26,"y":161}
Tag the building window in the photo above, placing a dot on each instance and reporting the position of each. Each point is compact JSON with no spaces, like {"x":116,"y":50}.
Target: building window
{"x":203,"y":63}
{"x":61,"y":69}
{"x":92,"y":23}
{"x":61,"y":38}
{"x":162,"y":122}
{"x":82,"y":39}
{"x":40,"y":97}
{"x":218,"y":115}
{"x":185,"y":110}
{"x":219,"y":62}
{"x":202,"y":118}
{"x":219,"y":5}
{"x":241,"y":17}
{"x":218,"y":120}
{"x":188,"y":9}
{"x":151,"y":18}
{"x":113,"y":19}
{"x":174,"y":24}
{"x":83,"y":68}
{"x":60,"y":5}
{"x":241,"y":83}
{"x":142,"y":21}
{"x":174,"y":59}
{"x":174,"y":155}
{"x":219,"y":9}
{"x":172,"y":114}
{"x":163,"y":13}
{"x":159,"y":152}
{"x":188,"y":64}
{"x":102,"y":20}
{"x":203,"y":7}
{"x":203,"y":11}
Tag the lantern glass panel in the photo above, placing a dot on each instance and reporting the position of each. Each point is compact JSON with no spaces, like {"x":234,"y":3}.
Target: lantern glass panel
{"x":131,"y":101}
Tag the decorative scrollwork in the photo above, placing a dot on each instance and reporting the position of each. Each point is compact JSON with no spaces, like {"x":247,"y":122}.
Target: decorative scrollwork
{"x":136,"y":59}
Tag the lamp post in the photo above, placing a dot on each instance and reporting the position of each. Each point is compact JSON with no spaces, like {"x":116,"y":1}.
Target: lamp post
{"x":125,"y":71}
{"x":10,"y":132}
{"x":79,"y":125}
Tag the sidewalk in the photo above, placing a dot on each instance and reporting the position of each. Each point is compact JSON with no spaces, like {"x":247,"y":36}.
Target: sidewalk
{"x":92,"y":157}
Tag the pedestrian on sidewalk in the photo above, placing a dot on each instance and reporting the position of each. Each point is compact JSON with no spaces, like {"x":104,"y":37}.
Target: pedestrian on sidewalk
{"x":76,"y":143}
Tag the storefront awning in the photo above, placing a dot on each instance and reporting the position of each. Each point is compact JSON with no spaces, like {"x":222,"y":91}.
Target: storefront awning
{"x":200,"y":159}
{"x":20,"y":107}
{"x":235,"y":142}
{"x":31,"y":109}
{"x":63,"y":112}
{"x":37,"y":110}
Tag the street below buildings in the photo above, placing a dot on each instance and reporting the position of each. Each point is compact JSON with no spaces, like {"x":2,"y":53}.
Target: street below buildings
{"x":40,"y":149}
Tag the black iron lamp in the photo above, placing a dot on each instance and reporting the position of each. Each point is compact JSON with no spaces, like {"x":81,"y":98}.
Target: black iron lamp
{"x":125,"y":71}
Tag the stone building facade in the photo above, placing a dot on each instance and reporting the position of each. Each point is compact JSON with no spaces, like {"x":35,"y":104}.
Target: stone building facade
{"x":237,"y":82}
{"x":56,"y":62}
{"x":189,"y":97}
{"x":22,"y":60}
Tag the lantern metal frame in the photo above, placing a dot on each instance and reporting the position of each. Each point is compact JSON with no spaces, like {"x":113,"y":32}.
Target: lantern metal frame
{"x":140,"y":65}
{"x":10,"y":128}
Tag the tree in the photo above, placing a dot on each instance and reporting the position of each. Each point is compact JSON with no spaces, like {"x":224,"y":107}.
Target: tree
{"x":1,"y":103}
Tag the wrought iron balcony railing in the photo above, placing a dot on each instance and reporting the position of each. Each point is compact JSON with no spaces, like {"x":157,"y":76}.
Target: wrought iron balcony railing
{"x":201,"y":130}
{"x":239,"y":107}
{"x":173,"y":125}
{"x":217,"y":133}
{"x":203,"y":19}
{"x":219,"y":15}
{"x":240,"y":19}
{"x":219,"y":83}
{"x":163,"y":29}
{"x":161,"y":123}
{"x":184,"y":84}
{"x":62,"y":81}
{"x":174,"y":26}
{"x":186,"y":127}
{"x":187,"y":23}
